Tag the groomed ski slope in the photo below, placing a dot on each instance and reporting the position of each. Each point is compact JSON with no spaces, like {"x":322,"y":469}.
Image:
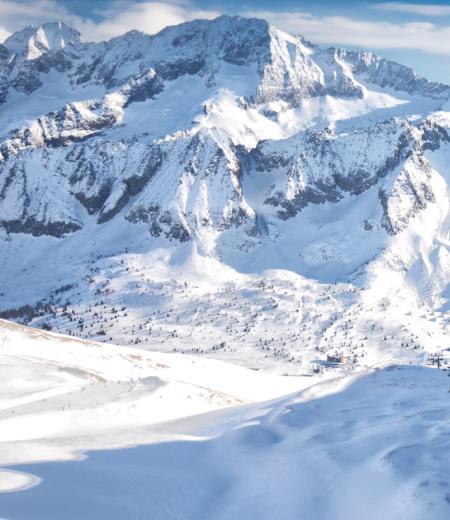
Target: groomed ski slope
{"x":371,"y":445}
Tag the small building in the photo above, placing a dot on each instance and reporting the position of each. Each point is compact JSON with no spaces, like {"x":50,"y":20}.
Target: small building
{"x":339,"y":359}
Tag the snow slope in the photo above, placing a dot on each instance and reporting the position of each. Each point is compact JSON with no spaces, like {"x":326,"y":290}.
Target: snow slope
{"x":60,"y":395}
{"x":40,"y":365}
{"x":374,"y":444}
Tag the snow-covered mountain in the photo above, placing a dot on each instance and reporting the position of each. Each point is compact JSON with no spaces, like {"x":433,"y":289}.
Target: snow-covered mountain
{"x":226,"y":188}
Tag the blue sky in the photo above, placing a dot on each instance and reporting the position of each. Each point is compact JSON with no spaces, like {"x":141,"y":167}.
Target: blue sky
{"x":416,"y":33}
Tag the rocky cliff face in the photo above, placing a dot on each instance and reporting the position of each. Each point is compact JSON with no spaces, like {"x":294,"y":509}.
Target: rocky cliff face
{"x":203,"y":126}
{"x":317,"y":167}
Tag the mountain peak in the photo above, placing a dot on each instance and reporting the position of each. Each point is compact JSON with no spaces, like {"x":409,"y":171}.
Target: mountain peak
{"x":33,"y":41}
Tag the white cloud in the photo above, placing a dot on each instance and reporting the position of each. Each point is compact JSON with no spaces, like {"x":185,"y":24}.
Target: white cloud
{"x":3,"y":34}
{"x":149,"y":17}
{"x":419,"y":9}
{"x":15,"y":15}
{"x":341,"y":30}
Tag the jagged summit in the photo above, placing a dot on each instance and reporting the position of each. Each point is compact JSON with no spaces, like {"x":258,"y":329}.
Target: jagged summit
{"x":34,"y":41}
{"x":286,"y":68}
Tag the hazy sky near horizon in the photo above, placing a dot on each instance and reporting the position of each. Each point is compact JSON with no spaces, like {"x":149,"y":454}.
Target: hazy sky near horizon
{"x":416,"y":33}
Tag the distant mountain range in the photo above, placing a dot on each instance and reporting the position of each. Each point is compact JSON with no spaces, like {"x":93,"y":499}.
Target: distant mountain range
{"x":226,"y":188}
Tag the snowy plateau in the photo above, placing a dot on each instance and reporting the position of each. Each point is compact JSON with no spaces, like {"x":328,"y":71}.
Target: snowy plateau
{"x":225,"y":278}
